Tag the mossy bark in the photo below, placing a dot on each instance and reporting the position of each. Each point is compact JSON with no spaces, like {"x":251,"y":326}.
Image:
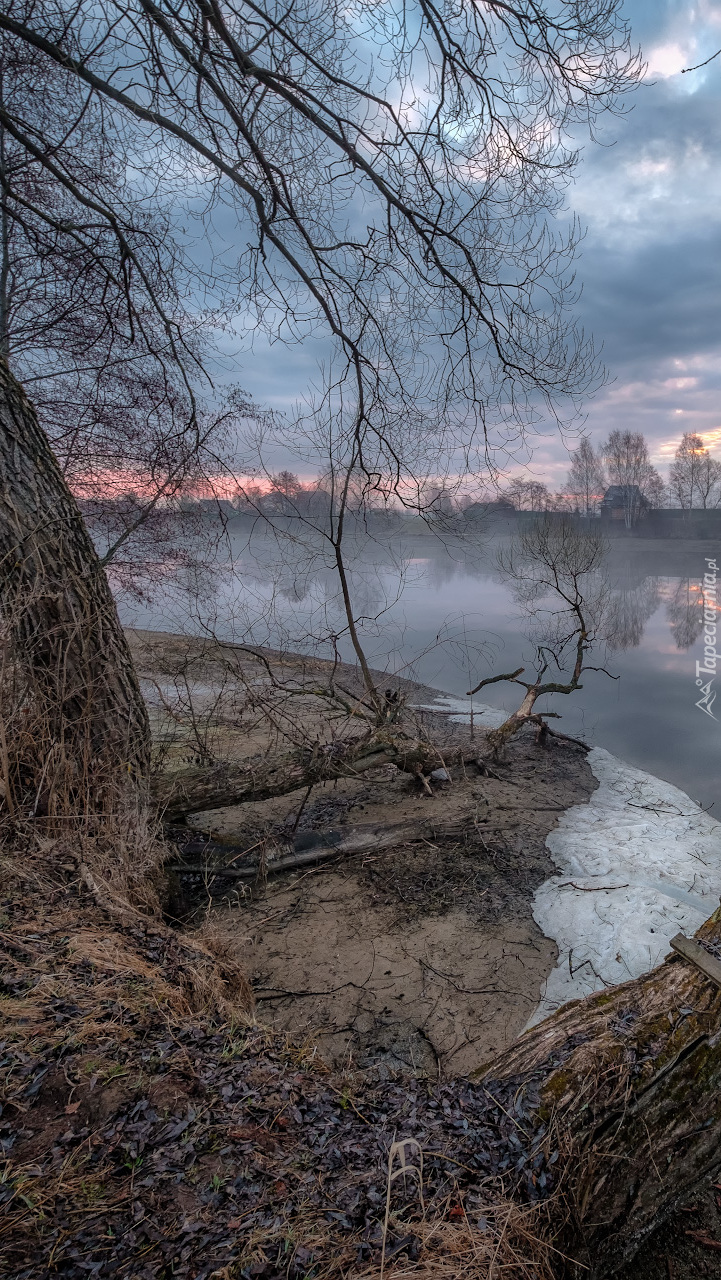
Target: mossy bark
{"x":87,"y":723}
{"x":630,"y":1084}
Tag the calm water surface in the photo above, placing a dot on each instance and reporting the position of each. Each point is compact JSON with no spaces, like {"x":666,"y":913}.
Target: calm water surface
{"x":441,"y":615}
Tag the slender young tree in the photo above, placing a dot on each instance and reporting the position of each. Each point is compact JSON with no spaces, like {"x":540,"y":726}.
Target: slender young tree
{"x":586,"y":478}
{"x":695,"y":477}
{"x":708,"y":483}
{"x":555,"y":571}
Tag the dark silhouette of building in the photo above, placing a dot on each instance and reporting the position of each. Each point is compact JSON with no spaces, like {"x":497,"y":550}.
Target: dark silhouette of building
{"x":624,"y":502}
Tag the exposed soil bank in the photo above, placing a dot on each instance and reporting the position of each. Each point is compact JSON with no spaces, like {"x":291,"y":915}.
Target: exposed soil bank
{"x":149,"y":1135}
{"x":425,"y":956}
{"x":422,"y":957}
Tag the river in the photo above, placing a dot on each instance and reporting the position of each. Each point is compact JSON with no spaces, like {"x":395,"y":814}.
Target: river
{"x":436,"y":610}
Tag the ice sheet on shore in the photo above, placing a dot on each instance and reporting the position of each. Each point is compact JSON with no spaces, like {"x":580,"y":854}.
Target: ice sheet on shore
{"x":636,"y":864}
{"x":459,"y":711}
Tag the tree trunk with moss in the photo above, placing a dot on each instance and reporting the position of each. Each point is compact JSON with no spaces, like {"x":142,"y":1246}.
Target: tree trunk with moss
{"x":630,"y":1089}
{"x":85,"y":736}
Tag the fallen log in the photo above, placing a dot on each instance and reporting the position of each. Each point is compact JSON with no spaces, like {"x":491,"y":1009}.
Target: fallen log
{"x":630,"y":1090}
{"x":197,"y":788}
{"x":332,"y":844}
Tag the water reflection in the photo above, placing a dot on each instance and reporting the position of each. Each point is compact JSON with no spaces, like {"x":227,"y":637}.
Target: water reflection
{"x":630,"y":607}
{"x":277,"y":586}
{"x":439,"y":613}
{"x":685,"y":612}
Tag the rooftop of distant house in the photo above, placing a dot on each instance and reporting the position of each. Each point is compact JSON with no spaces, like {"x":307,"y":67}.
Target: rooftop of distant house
{"x":618,"y":494}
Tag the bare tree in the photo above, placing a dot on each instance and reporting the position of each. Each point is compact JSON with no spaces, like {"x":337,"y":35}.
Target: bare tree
{"x":625,"y":454}
{"x":448,"y":302}
{"x":554,"y":569}
{"x":695,"y":477}
{"x":708,"y":484}
{"x":655,"y":491}
{"x":527,"y":495}
{"x":259,"y":104}
{"x":94,"y":318}
{"x":586,"y":478}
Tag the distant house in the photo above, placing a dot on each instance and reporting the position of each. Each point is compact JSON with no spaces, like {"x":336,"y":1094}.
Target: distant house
{"x":624,"y":502}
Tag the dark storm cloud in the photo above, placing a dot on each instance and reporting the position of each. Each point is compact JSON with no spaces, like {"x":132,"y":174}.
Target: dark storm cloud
{"x":651,"y":262}
{"x":649,"y":194}
{"x":658,"y":302}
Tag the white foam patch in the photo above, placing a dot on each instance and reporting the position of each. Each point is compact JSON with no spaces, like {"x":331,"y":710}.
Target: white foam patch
{"x":637,"y":864}
{"x":459,"y":711}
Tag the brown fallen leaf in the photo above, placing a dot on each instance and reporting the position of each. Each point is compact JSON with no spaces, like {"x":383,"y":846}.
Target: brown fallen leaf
{"x":701,"y":1237}
{"x":71,"y":1108}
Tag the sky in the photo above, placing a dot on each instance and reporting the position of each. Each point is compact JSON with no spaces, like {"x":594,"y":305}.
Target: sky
{"x":649,"y":195}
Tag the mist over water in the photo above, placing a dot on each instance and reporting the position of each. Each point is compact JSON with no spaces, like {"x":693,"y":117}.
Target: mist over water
{"x":435,"y":610}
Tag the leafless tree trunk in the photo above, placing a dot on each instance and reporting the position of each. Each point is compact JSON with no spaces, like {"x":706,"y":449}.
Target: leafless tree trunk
{"x":552,"y":560}
{"x":586,"y":480}
{"x":626,"y":457}
{"x":629,"y":1083}
{"x":65,"y":635}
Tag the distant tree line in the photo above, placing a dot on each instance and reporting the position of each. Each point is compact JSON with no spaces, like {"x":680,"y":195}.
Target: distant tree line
{"x":623,"y":460}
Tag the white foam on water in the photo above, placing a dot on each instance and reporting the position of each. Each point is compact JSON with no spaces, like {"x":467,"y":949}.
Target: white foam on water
{"x":637,"y":864}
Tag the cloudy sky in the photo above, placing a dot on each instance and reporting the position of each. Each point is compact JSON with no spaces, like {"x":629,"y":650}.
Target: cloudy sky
{"x":650,"y":265}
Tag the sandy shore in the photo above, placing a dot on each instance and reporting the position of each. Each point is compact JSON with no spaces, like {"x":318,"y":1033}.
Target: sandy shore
{"x":423,"y":957}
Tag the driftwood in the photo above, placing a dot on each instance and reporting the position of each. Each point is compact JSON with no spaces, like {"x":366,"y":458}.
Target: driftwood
{"x":630,"y":1088}
{"x":197,"y":788}
{"x":364,"y":838}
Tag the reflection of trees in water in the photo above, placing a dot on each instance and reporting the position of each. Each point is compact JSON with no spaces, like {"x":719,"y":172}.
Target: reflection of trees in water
{"x":684,"y":611}
{"x":629,"y":608}
{"x":282,"y":590}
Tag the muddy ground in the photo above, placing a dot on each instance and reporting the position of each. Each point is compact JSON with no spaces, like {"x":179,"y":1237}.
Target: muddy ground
{"x":145,"y":1134}
{"x":422,"y":957}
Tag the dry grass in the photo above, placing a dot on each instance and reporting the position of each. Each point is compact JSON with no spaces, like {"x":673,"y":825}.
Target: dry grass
{"x":509,"y":1245}
{"x":127,"y":982}
{"x":98,"y":977}
{"x":57,"y":845}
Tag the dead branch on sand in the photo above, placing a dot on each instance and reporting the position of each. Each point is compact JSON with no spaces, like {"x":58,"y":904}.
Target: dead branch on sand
{"x":555,"y":571}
